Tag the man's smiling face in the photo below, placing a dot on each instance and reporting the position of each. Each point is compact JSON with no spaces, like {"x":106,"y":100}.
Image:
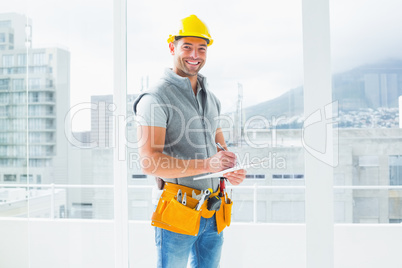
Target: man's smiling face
{"x":190,"y":54}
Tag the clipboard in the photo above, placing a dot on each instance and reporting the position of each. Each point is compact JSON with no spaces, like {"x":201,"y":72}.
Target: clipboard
{"x":238,"y":167}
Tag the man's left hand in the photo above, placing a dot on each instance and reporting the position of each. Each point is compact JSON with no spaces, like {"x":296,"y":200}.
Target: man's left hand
{"x":236,"y":177}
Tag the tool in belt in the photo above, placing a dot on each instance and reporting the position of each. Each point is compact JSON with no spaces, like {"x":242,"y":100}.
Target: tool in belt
{"x":180,"y":211}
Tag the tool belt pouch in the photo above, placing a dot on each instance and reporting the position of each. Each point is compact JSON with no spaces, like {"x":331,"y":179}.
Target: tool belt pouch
{"x":224,"y":215}
{"x":173,"y":215}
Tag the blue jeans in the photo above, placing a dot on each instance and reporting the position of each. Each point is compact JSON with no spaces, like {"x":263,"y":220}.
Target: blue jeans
{"x":204,"y":250}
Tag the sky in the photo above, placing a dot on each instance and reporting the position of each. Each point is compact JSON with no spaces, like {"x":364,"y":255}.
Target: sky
{"x":256,"y":43}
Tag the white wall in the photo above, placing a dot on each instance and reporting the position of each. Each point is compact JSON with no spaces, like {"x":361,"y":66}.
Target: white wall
{"x":87,"y":244}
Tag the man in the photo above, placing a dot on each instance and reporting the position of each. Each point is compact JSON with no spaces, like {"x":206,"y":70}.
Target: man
{"x":178,"y":132}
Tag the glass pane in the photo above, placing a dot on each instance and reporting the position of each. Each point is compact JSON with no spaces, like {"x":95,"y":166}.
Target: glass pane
{"x":17,"y":150}
{"x":58,"y":57}
{"x":368,"y":206}
{"x":367,"y":84}
{"x":279,"y":205}
{"x":255,"y":69}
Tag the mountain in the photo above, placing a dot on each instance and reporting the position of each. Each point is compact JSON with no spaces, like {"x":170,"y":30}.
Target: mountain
{"x":371,"y":86}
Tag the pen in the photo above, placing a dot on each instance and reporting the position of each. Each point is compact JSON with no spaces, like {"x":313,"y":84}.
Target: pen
{"x":220,"y":146}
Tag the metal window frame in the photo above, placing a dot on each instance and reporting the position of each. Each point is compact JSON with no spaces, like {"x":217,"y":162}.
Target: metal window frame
{"x":120,"y":166}
{"x":317,"y":95}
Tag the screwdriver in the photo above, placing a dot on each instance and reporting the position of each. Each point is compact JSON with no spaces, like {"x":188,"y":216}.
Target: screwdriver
{"x":222,"y":186}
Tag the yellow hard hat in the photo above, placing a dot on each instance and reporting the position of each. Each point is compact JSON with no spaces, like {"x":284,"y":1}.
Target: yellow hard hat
{"x":192,"y":26}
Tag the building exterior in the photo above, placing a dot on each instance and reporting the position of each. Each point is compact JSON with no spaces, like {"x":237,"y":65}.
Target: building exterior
{"x":34,"y":99}
{"x":367,"y":157}
{"x":15,"y":31}
{"x":34,"y":95}
{"x":102,"y":120}
{"x":94,"y":163}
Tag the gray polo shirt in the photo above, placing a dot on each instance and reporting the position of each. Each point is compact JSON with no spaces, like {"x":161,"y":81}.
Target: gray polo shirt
{"x":158,"y":118}
{"x":190,"y":120}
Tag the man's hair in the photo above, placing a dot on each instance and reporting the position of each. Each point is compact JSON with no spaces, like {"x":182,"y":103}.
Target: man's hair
{"x":177,"y":38}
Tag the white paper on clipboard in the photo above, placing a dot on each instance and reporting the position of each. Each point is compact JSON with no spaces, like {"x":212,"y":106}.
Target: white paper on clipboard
{"x":238,"y":167}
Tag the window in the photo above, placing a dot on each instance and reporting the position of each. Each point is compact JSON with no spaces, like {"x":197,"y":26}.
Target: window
{"x":18,"y":84}
{"x":138,"y":176}
{"x":2,"y":37}
{"x":4,"y":83}
{"x":49,"y":83}
{"x":34,"y":137}
{"x":4,"y":97}
{"x":35,"y":124}
{"x":49,"y":137}
{"x":3,"y":111}
{"x":49,"y":110}
{"x":38,"y":69}
{"x":3,"y":137}
{"x":33,"y":110}
{"x":287,"y":176}
{"x":19,"y":97}
{"x":23,"y":178}
{"x":49,"y":97}
{"x":81,"y":211}
{"x":395,"y":170}
{"x":49,"y":123}
{"x":8,"y":60}
{"x":49,"y":150}
{"x":39,"y":59}
{"x":11,"y":38}
{"x":10,"y":177}
{"x":255,"y":176}
{"x":34,"y":83}
{"x":21,"y":59}
{"x":34,"y":97}
{"x":3,"y":150}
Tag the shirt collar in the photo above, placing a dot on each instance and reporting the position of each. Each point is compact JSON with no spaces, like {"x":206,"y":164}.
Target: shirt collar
{"x":199,"y":87}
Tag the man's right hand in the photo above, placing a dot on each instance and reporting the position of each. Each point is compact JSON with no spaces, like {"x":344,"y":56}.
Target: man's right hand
{"x":221,"y":161}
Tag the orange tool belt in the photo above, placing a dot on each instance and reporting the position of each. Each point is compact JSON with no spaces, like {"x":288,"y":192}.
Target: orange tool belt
{"x":184,"y":219}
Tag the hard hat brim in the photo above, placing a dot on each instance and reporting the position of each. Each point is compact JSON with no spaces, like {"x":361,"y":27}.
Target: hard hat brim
{"x":173,"y":38}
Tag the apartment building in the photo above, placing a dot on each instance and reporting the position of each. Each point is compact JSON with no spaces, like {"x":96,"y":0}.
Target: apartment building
{"x":34,"y":99}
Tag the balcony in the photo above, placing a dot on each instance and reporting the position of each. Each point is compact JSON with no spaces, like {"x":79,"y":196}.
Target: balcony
{"x":54,"y":242}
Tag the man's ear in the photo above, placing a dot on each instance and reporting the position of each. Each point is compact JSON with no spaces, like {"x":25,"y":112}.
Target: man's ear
{"x":171,"y":48}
